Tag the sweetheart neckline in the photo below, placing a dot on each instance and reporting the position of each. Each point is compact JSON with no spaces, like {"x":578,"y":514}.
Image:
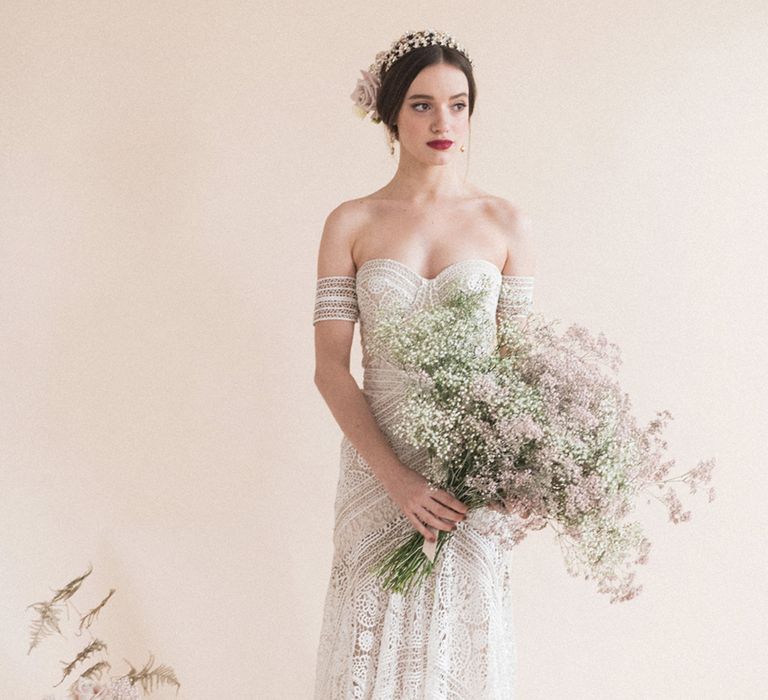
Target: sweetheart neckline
{"x":445,"y":269}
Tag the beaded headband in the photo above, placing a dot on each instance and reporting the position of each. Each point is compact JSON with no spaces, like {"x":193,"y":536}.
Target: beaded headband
{"x":367,"y":88}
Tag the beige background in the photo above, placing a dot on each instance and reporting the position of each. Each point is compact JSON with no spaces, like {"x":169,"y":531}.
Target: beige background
{"x":166,"y":170}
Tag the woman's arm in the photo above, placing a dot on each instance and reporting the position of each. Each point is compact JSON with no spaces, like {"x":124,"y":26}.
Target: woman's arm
{"x":521,"y":257}
{"x":348,"y":404}
{"x":517,"y":281}
{"x":516,"y":296}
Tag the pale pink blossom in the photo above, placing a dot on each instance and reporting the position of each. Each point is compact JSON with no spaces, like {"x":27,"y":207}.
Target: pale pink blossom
{"x":364,"y":94}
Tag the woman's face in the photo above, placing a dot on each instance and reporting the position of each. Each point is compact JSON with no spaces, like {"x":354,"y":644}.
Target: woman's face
{"x":435,"y":108}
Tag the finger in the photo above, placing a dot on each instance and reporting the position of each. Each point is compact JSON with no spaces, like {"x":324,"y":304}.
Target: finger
{"x":420,"y":527}
{"x":449,"y":500}
{"x":431,"y":519}
{"x":445,"y":512}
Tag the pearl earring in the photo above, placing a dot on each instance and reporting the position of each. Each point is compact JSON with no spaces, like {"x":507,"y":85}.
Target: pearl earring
{"x":462,"y":148}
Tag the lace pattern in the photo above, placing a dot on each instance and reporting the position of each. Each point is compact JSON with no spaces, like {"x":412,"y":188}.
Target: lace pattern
{"x":453,"y":638}
{"x":335,"y":299}
{"x":515,"y":296}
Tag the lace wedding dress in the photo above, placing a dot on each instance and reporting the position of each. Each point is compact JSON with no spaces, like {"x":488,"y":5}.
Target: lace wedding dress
{"x":452,"y":638}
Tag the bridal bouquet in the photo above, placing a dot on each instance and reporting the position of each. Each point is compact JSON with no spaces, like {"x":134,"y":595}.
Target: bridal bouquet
{"x":527,"y":421}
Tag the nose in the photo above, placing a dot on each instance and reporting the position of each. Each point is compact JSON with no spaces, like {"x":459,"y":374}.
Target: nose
{"x":440,"y":122}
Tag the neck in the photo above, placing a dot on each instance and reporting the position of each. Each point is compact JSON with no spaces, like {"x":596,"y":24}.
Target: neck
{"x":420,"y":183}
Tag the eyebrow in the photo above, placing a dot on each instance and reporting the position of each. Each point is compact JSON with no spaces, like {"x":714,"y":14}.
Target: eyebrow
{"x":429,"y":97}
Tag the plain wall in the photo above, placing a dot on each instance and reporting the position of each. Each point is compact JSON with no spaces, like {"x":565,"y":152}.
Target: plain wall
{"x":166,"y":171}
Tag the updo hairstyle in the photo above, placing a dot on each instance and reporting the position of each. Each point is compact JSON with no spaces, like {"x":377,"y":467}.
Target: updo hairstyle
{"x":396,"y":81}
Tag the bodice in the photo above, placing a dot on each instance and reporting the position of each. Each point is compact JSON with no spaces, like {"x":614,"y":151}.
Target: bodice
{"x":383,"y":282}
{"x":380,"y":281}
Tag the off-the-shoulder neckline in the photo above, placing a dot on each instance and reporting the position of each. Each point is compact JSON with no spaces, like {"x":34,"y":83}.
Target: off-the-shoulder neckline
{"x":445,"y":269}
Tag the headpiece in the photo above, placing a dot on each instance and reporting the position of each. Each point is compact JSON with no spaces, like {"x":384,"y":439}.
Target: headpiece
{"x":367,"y":88}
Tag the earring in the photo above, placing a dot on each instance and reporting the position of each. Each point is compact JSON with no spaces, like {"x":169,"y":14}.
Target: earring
{"x":391,"y":140}
{"x":462,"y":148}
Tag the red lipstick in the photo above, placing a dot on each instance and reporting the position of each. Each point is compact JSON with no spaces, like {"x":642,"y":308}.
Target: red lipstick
{"x":440,"y":145}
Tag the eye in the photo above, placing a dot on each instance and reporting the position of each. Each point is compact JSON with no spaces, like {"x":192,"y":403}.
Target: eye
{"x":460,"y":105}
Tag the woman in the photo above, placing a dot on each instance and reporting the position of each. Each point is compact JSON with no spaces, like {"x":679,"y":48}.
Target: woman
{"x":425,"y":231}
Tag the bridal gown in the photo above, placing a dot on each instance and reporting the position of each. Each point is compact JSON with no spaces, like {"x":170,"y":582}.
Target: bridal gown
{"x":452,"y":638}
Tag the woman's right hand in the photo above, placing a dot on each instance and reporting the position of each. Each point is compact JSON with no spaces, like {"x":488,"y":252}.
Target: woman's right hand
{"x":425,"y":506}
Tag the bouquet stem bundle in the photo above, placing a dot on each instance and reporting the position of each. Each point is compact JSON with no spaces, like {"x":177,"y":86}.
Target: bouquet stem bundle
{"x":406,"y":566}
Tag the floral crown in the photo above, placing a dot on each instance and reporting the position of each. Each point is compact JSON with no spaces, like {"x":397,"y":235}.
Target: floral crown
{"x":367,"y":88}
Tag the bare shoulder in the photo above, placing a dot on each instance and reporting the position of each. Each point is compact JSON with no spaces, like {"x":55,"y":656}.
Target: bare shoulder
{"x":340,"y":230}
{"x":514,"y":225}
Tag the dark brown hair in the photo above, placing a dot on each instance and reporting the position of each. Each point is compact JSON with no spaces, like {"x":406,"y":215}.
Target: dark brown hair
{"x":396,"y":81}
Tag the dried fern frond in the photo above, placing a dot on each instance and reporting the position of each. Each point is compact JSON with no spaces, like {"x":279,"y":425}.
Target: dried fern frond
{"x":88,"y":619}
{"x":49,"y":612}
{"x":147,"y":677}
{"x":71,"y":588}
{"x":92,"y":648}
{"x":46,"y":624}
{"x":96,"y":671}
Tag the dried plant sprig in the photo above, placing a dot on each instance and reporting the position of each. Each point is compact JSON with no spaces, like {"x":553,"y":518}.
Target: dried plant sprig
{"x":148,"y":677}
{"x":87,"y":620}
{"x":49,"y":612}
{"x":97,"y":670}
{"x":86,"y":652}
{"x":72,"y":587}
{"x":46,"y":624}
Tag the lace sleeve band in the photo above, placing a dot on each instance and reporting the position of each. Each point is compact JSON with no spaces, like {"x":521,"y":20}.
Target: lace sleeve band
{"x":515,"y":296}
{"x":336,"y":299}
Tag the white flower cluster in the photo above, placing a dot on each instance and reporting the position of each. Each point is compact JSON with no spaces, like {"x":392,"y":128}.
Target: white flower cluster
{"x":366,"y":90}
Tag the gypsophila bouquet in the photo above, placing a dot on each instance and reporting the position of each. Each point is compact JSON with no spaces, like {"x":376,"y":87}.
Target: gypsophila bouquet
{"x":527,"y":421}
{"x":90,"y":684}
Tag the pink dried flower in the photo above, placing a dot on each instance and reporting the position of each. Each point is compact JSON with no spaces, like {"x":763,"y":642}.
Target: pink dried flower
{"x":676,"y":513}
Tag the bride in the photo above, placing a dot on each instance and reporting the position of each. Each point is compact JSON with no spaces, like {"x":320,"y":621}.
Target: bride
{"x":428,"y":227}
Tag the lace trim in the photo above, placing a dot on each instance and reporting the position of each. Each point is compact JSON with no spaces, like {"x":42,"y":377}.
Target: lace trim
{"x":336,"y":299}
{"x":515,"y":296}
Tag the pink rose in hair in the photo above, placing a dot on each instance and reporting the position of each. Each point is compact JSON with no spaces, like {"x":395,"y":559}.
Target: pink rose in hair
{"x":364,"y":95}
